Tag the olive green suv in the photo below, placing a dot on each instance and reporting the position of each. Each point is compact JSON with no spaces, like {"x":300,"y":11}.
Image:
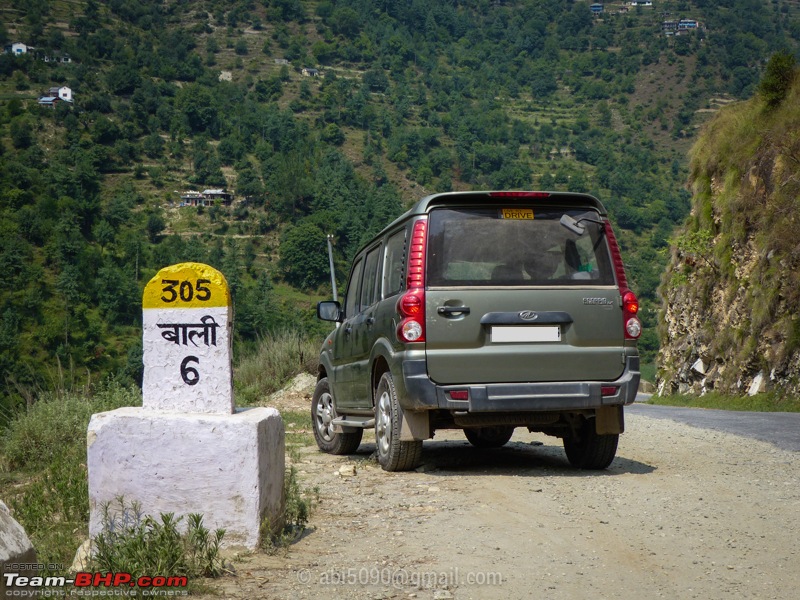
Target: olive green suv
{"x":482,"y":311}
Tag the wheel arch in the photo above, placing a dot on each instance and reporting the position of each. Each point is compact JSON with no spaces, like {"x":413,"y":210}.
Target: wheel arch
{"x":322,"y":372}
{"x":379,"y":366}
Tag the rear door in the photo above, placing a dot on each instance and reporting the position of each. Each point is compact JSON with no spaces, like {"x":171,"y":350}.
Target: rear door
{"x":514,"y":296}
{"x":364,"y":330}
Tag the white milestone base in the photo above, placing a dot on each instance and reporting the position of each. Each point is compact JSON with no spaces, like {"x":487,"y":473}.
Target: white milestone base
{"x":229,"y":468}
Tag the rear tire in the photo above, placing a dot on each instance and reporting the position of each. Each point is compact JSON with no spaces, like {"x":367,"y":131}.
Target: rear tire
{"x":586,"y":449}
{"x":323,"y":412}
{"x":489,"y":437}
{"x":393,"y":454}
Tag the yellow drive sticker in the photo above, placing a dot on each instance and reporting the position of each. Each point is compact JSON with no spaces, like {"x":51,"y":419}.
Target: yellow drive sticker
{"x":525,"y":214}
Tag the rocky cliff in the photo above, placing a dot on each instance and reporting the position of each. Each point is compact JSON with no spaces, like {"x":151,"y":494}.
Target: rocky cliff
{"x":731,"y":294}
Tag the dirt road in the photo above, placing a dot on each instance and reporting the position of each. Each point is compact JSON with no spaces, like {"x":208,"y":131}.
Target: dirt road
{"x":681,"y":513}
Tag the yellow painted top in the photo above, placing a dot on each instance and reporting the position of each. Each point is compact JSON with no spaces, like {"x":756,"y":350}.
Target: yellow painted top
{"x":187,"y":285}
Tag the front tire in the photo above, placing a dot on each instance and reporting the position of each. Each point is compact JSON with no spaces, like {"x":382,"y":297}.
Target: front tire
{"x":489,"y":437}
{"x":586,"y":449}
{"x":323,"y":412}
{"x":393,"y":454}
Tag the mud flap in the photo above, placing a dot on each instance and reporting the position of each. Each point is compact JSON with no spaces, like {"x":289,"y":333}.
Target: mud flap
{"x":609,"y":419}
{"x":415,"y":426}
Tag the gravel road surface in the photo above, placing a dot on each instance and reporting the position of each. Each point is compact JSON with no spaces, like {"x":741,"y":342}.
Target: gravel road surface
{"x":683,"y":512}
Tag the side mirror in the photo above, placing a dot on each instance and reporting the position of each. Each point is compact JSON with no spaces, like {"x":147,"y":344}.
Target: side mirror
{"x":329,"y":310}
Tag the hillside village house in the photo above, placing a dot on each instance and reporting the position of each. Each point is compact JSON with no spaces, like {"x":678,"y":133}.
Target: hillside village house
{"x":308,"y":72}
{"x":680,"y":27}
{"x":64,"y":58}
{"x":55,"y":95}
{"x":206,"y":197}
{"x":63,"y":92}
{"x":17,"y":49}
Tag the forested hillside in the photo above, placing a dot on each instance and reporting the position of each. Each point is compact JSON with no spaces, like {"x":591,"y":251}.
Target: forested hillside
{"x":405,"y":98}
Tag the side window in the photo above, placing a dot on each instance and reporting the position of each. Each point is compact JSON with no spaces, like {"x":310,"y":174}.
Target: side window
{"x":351,"y":302}
{"x":393,"y":264}
{"x":370,"y":285}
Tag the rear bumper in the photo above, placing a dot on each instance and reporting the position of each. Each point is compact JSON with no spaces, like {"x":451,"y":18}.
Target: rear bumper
{"x":421,"y":393}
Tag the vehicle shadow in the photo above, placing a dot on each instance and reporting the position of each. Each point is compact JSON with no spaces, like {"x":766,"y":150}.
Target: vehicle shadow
{"x":518,"y":458}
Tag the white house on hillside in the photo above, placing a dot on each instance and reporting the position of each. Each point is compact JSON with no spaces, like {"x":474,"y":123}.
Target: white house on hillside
{"x":18,"y":48}
{"x":62,"y":92}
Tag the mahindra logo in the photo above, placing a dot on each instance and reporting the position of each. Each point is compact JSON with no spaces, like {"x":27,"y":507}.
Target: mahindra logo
{"x":528,"y":315}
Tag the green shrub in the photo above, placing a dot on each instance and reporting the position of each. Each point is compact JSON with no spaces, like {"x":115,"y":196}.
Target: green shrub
{"x":141,"y":545}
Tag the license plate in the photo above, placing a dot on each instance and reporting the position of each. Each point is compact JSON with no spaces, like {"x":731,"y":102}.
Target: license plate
{"x":526,"y":334}
{"x":522,"y":214}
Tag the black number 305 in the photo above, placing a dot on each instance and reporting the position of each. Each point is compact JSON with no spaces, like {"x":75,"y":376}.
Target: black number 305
{"x":174,"y":289}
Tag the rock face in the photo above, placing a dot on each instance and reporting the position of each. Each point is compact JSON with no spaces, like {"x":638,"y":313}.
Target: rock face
{"x":731,"y":314}
{"x":15,"y":547}
{"x":709,"y":338}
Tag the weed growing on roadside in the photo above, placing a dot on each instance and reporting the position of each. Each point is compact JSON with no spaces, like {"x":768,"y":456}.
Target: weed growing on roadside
{"x":142,"y":545}
{"x":297,"y":507}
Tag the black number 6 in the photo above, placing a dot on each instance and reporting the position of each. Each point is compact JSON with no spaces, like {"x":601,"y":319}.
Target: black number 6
{"x":189,"y":374}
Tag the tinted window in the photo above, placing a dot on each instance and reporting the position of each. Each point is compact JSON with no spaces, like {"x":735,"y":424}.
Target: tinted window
{"x":370,"y":288}
{"x":523,"y":246}
{"x":352,"y":290}
{"x":393,"y":264}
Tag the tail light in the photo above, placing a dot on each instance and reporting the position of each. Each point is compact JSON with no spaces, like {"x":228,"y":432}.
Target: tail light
{"x":411,"y":305}
{"x":630,"y":303}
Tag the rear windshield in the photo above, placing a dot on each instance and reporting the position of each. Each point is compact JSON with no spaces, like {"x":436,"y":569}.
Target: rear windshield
{"x":519,"y":246}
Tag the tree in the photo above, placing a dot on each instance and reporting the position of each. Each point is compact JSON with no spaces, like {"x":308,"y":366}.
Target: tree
{"x":303,"y":259}
{"x":155,"y":225}
{"x":21,"y":133}
{"x":778,"y":78}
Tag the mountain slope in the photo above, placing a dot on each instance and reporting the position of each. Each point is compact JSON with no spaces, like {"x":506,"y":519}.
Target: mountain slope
{"x":732,"y":288}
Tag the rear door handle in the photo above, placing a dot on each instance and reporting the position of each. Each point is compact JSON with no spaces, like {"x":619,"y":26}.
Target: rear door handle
{"x":453,"y":310}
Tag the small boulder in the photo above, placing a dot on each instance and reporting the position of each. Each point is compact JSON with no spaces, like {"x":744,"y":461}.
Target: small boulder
{"x":15,"y":547}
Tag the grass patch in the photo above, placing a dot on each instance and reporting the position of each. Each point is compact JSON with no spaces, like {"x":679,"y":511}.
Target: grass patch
{"x":648,"y":372}
{"x":278,"y":358}
{"x":758,"y":403}
{"x":298,"y":431}
{"x":43,"y":454}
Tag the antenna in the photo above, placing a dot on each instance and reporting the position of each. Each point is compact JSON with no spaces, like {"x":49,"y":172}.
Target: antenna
{"x":330,"y":262}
